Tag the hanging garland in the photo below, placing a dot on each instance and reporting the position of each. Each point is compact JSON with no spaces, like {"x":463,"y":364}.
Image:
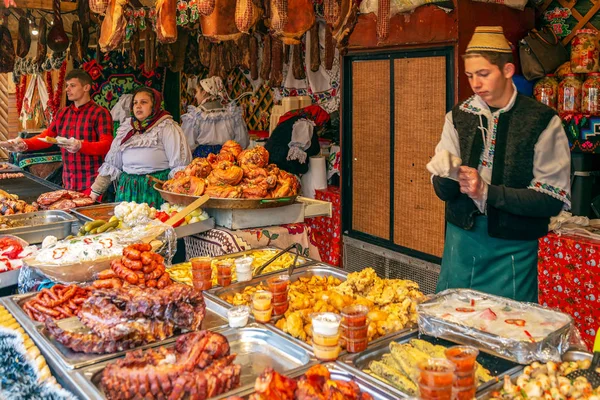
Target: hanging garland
{"x":20,"y":92}
{"x":54,"y":96}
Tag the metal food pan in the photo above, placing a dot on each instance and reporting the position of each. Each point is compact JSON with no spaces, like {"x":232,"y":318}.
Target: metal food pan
{"x":522,"y":351}
{"x":338,"y":372}
{"x":73,"y":360}
{"x":97,"y":211}
{"x":37,"y":225}
{"x":570,"y":355}
{"x":360,"y":361}
{"x":317,"y":269}
{"x":256,"y":348}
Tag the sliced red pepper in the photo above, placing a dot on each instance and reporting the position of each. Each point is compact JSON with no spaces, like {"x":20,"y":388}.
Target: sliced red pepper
{"x":58,"y":253}
{"x":106,"y":242}
{"x":472,"y":302}
{"x":529,"y":336}
{"x":88,"y":241}
{"x":517,"y":322}
{"x":465,"y":309}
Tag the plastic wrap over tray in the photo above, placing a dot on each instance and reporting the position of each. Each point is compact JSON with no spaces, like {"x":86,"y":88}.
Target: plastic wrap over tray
{"x":80,"y":258}
{"x":521,"y":332}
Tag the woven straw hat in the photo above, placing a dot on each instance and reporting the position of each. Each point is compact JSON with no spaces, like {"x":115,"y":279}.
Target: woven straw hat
{"x":489,"y":38}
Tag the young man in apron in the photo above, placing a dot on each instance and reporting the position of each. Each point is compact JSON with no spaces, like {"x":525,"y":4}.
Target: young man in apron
{"x":503,"y":168}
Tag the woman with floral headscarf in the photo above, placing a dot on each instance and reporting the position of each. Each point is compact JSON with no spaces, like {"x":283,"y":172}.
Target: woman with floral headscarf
{"x":210,"y":124}
{"x":150,"y":143}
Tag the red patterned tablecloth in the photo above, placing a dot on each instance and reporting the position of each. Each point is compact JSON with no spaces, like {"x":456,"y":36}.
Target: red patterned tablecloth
{"x":328,"y":230}
{"x":220,"y":241}
{"x":569,"y":279}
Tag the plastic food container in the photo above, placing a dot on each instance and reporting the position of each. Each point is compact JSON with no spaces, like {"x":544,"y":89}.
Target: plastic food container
{"x":325,"y":323}
{"x":243,"y":268}
{"x":279,"y":283}
{"x":262,"y":316}
{"x":355,"y":333}
{"x":262,"y":300}
{"x":201,"y":264}
{"x":238,"y":316}
{"x":569,"y":95}
{"x":355,"y":315}
{"x":436,"y":373}
{"x":202,"y":284}
{"x":356,"y":345}
{"x":463,"y":358}
{"x":590,"y":97}
{"x":585,"y":52}
{"x":326,"y":353}
{"x":280,"y":308}
{"x":325,"y":340}
{"x":546,"y":91}
{"x":281,"y":297}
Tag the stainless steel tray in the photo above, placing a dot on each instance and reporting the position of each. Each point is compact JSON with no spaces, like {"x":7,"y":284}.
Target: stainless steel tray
{"x":106,"y":210}
{"x":37,"y":225}
{"x":256,"y":347}
{"x":72,"y":360}
{"x":317,"y":269}
{"x":522,"y":351}
{"x":9,"y":278}
{"x":97,"y":211}
{"x":360,"y":361}
{"x":302,"y":262}
{"x":571,"y":355}
{"x":338,"y":372}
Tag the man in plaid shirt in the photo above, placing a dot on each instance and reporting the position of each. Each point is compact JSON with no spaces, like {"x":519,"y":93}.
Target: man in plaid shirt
{"x":84,"y":132}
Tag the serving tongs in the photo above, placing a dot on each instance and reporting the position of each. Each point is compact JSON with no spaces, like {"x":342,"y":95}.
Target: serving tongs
{"x":591,"y":374}
{"x":296,"y":246}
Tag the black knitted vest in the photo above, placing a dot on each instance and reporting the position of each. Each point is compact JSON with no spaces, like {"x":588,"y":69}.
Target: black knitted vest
{"x":517,"y":133}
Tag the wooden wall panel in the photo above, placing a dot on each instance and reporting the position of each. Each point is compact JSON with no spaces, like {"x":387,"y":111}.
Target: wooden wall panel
{"x":419,"y":110}
{"x":371,"y":147}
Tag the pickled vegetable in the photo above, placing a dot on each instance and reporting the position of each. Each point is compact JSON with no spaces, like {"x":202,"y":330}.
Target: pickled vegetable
{"x":590,"y":98}
{"x":585,"y":52}
{"x":546,"y":91}
{"x":569,"y":95}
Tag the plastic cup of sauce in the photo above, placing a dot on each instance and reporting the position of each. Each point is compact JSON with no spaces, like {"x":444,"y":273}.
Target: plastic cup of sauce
{"x":355,"y":315}
{"x":279,"y":283}
{"x":238,"y":316}
{"x":463,"y":358}
{"x":243,"y":267}
{"x":262,"y":300}
{"x":436,"y":376}
{"x":201,"y":264}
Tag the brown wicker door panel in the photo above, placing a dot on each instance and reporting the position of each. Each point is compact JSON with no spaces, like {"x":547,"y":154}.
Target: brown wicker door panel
{"x":419,"y":110}
{"x":371,"y":147}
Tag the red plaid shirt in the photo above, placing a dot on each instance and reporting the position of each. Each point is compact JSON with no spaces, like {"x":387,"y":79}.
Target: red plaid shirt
{"x":90,"y":123}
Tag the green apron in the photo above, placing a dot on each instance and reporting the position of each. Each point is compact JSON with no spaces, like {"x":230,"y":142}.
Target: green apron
{"x":138,"y":188}
{"x":472,"y":259}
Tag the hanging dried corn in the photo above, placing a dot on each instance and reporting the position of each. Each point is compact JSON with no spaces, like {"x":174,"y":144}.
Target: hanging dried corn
{"x":244,"y":15}
{"x":332,"y":11}
{"x":383,"y":20}
{"x":205,"y":7}
{"x":279,"y":14}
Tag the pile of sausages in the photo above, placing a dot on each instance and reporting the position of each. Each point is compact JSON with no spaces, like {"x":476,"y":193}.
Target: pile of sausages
{"x":138,"y":266}
{"x":11,"y":175}
{"x":59,"y":302}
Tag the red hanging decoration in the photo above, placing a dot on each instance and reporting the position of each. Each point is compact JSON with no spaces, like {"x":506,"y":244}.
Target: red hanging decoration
{"x":54,"y":95}
{"x":20,"y":92}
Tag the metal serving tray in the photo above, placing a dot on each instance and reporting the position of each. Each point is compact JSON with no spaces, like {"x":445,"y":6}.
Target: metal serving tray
{"x":255,"y":346}
{"x":37,"y":225}
{"x":522,"y":351}
{"x":570,"y":355}
{"x":105,"y":211}
{"x":360,"y":361}
{"x":72,"y":360}
{"x":317,"y":269}
{"x":97,"y":211}
{"x":338,"y":372}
